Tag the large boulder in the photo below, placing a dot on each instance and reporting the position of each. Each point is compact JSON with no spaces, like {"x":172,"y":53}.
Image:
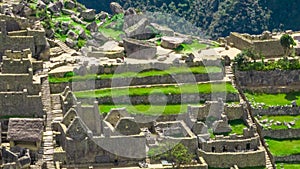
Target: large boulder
{"x":165,"y":31}
{"x":53,"y":8}
{"x":139,"y":49}
{"x":141,"y":30}
{"x":116,"y":8}
{"x":17,"y":8}
{"x":171,"y":42}
{"x":71,"y":34}
{"x":88,"y":14}
{"x":130,"y":11}
{"x":102,"y":15}
{"x":93,"y":27}
{"x":69,"y":42}
{"x":69,"y":4}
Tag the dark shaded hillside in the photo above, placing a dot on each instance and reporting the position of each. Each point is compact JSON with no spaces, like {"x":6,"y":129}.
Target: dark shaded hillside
{"x":220,"y":17}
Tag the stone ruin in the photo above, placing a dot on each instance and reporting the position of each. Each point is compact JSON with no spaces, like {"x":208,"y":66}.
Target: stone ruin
{"x":16,"y":34}
{"x":25,"y":137}
{"x":20,"y":88}
{"x":84,"y":137}
{"x":15,"y":158}
{"x":260,"y":43}
{"x":83,"y":129}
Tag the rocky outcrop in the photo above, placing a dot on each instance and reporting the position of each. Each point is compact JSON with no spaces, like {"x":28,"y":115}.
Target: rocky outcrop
{"x":140,"y":30}
{"x":93,"y":27}
{"x":171,"y":42}
{"x":88,"y":14}
{"x":116,"y":8}
{"x":139,"y":49}
{"x":69,"y":4}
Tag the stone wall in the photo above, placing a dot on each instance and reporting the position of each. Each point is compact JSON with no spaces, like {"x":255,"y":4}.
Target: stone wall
{"x":288,"y":159}
{"x":231,"y":145}
{"x":21,"y":104}
{"x":241,"y":159}
{"x":16,"y":43}
{"x":277,"y":111}
{"x":118,"y":82}
{"x":121,"y":68}
{"x":15,"y":23}
{"x":239,"y":41}
{"x":268,"y":48}
{"x":281,"y":134}
{"x":168,"y":99}
{"x":267,"y":78}
{"x":14,"y":66}
{"x":233,"y":112}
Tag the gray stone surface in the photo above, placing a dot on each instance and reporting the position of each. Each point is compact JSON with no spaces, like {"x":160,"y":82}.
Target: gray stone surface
{"x":27,"y":130}
{"x":171,"y":42}
{"x":88,"y":14}
{"x":116,"y":8}
{"x":139,"y":49}
{"x":70,"y":4}
{"x":140,"y":30}
{"x":93,"y":27}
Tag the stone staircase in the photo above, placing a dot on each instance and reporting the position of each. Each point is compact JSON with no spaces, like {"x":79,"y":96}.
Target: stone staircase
{"x":48,"y":143}
{"x":64,"y":47}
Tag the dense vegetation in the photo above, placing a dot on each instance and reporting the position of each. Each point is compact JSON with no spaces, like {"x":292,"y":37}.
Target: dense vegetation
{"x":218,"y":17}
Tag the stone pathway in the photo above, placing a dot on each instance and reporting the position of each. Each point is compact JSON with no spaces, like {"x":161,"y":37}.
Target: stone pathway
{"x":48,"y":145}
{"x":64,"y":47}
{"x":249,"y":119}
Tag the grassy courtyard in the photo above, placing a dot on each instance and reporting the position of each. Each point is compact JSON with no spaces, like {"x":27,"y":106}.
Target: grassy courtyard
{"x":290,"y":146}
{"x":273,"y":99}
{"x":69,"y":77}
{"x":237,"y":127}
{"x":205,"y":88}
{"x":283,"y":119}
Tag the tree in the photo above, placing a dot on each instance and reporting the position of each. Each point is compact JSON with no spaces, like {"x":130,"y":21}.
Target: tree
{"x":176,"y":153}
{"x":181,"y":155}
{"x":287,"y":42}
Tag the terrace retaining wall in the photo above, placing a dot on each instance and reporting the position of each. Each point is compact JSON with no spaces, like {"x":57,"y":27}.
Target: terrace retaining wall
{"x":281,"y":134}
{"x":118,"y":82}
{"x":255,"y":78}
{"x":160,"y":99}
{"x":287,"y":159}
{"x":276,"y":111}
{"x":241,"y":159}
{"x":121,"y":68}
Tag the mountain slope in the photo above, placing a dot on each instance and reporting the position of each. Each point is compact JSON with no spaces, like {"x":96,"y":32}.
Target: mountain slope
{"x":220,"y":17}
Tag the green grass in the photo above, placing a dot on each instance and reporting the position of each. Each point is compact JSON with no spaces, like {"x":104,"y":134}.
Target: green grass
{"x":273,"y":99}
{"x":283,"y":119}
{"x":283,"y":147}
{"x":189,"y":48}
{"x":194,"y":47}
{"x":205,"y":88}
{"x":67,"y":18}
{"x":171,"y":70}
{"x":112,"y":33}
{"x":148,"y":109}
{"x":287,"y":166}
{"x":237,"y":127}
